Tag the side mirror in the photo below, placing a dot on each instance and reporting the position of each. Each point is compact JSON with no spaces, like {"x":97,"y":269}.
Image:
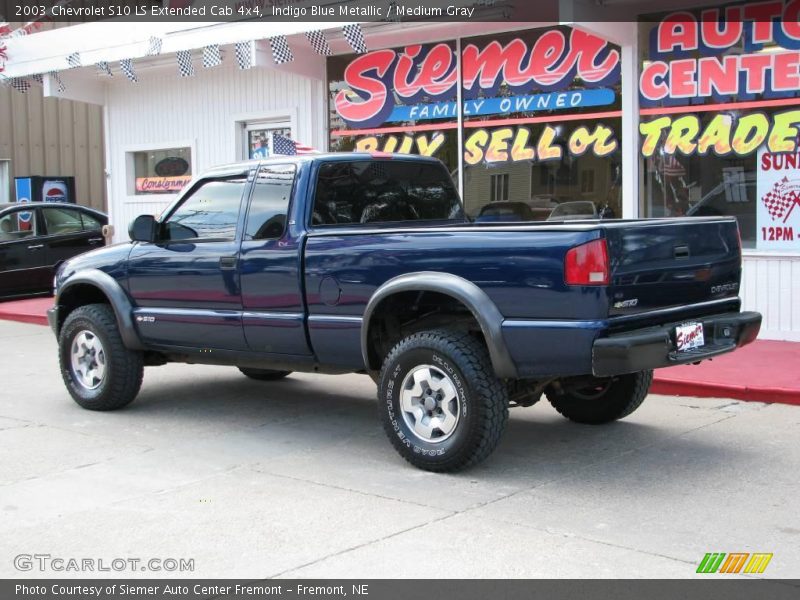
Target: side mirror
{"x":143,"y":229}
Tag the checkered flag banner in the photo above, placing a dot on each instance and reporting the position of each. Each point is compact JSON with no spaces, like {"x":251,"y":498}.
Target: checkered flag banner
{"x":319,"y":42}
{"x":20,"y":84}
{"x":282,"y":144}
{"x":185,"y":66}
{"x":281,"y":53}
{"x":781,"y":199}
{"x":59,"y":84}
{"x":126,"y":66}
{"x":355,"y":37}
{"x":245,"y":52}
{"x":212,"y":56}
{"x":37,"y":77}
{"x":74,"y":60}
{"x":104,"y":69}
{"x":154,"y":46}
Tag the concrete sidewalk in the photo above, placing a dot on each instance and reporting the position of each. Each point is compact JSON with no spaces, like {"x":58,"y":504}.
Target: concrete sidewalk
{"x":765,"y":371}
{"x":296,"y":479}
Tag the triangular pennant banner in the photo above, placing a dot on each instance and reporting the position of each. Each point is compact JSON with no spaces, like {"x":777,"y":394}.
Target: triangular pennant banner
{"x":185,"y":66}
{"x":154,"y":46}
{"x":281,"y":53}
{"x":126,"y":66}
{"x":319,"y":42}
{"x":74,"y":60}
{"x":104,"y":69}
{"x":355,"y":37}
{"x":20,"y":84}
{"x":244,"y":54}
{"x":212,"y":56}
{"x":59,"y":84}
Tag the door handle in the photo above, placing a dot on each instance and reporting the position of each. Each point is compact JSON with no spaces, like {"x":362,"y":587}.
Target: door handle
{"x":95,"y":240}
{"x":36,"y":247}
{"x":227,"y":262}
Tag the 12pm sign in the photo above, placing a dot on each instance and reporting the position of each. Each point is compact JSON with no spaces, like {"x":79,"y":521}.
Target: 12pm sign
{"x":778,"y":191}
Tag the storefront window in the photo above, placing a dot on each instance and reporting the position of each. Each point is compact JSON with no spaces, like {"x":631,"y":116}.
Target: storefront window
{"x":161,"y":171}
{"x":396,"y":100}
{"x":540,"y":111}
{"x":719,"y":123}
{"x":541,"y":123}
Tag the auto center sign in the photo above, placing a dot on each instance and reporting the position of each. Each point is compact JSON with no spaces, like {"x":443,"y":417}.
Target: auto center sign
{"x":557,"y":70}
{"x":695,"y":60}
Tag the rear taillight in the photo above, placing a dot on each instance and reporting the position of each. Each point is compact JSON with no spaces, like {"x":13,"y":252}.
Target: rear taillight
{"x":587,"y":264}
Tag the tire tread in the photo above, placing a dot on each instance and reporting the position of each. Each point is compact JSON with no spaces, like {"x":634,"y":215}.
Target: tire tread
{"x":477,"y":369}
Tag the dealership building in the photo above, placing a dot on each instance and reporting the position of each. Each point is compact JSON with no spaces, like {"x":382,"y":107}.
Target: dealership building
{"x":691,"y":112}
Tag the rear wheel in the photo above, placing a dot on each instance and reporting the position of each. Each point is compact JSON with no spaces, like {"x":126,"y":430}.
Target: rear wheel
{"x":99,"y":371}
{"x":440,"y":402}
{"x":603,"y":400}
{"x":264,"y":374}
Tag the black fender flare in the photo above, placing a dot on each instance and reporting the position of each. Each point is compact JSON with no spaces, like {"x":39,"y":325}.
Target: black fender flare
{"x":474,"y":298}
{"x":120,"y":303}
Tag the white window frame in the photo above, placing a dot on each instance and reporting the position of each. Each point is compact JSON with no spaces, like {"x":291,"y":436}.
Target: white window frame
{"x":244,"y":122}
{"x":130,"y":176}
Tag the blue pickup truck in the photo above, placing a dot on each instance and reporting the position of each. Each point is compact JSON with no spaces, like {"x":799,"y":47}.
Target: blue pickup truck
{"x":342,"y":263}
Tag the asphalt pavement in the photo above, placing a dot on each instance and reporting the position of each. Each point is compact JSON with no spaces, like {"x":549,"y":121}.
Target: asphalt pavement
{"x":296,"y":479}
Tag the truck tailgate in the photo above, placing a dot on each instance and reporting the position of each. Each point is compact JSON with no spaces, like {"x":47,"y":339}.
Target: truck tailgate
{"x":658,"y":264}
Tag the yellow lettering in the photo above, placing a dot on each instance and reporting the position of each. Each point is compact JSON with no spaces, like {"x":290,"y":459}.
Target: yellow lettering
{"x":546,"y":149}
{"x":682,"y":134}
{"x":652,"y":131}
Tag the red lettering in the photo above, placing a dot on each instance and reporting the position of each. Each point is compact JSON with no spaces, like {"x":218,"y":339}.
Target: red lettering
{"x":756,"y":66}
{"x":791,"y":20}
{"x":677,"y":32}
{"x":652,"y":82}
{"x":717,"y":34}
{"x":545,"y":56}
{"x":786,"y":71}
{"x":762,"y":14}
{"x":682,"y":78}
{"x":722,"y":76}
{"x":437,"y":74}
{"x":374,"y":89}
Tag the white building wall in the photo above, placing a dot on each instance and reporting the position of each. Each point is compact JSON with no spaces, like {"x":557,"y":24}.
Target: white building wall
{"x":771,"y":286}
{"x":163,"y":109}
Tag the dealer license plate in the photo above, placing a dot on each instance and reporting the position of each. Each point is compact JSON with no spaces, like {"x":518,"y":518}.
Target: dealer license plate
{"x":688,"y":336}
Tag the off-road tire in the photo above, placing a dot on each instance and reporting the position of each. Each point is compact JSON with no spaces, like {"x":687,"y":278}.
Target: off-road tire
{"x":482,"y":400}
{"x":624,"y":395}
{"x":124,"y":368}
{"x":264,"y":374}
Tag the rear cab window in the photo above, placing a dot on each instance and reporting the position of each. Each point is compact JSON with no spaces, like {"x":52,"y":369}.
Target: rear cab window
{"x":369,"y":191}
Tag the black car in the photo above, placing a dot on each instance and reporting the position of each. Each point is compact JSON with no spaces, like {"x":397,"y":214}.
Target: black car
{"x":35,"y":238}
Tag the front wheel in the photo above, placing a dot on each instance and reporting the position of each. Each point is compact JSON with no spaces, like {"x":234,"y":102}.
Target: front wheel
{"x":440,"y":402}
{"x":603,"y":400}
{"x":99,"y":371}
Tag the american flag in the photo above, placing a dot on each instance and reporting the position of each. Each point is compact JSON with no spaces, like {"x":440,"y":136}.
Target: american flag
{"x":780,"y":200}
{"x":285,"y":145}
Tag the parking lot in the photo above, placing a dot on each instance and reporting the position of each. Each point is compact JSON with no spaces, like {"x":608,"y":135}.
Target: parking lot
{"x":296,"y":479}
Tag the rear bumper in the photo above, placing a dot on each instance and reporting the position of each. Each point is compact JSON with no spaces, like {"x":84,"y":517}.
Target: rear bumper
{"x":654,"y":347}
{"x":52,"y":318}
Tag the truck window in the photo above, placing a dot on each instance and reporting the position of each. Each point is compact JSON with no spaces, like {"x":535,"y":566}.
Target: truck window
{"x":266,"y":218}
{"x":384,"y":191}
{"x":210,"y":212}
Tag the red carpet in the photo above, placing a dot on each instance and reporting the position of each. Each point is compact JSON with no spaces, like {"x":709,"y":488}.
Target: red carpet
{"x":764,"y":371}
{"x":32,"y":310}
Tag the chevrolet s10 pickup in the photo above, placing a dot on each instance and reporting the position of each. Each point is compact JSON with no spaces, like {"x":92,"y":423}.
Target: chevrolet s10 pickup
{"x":343,"y":263}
